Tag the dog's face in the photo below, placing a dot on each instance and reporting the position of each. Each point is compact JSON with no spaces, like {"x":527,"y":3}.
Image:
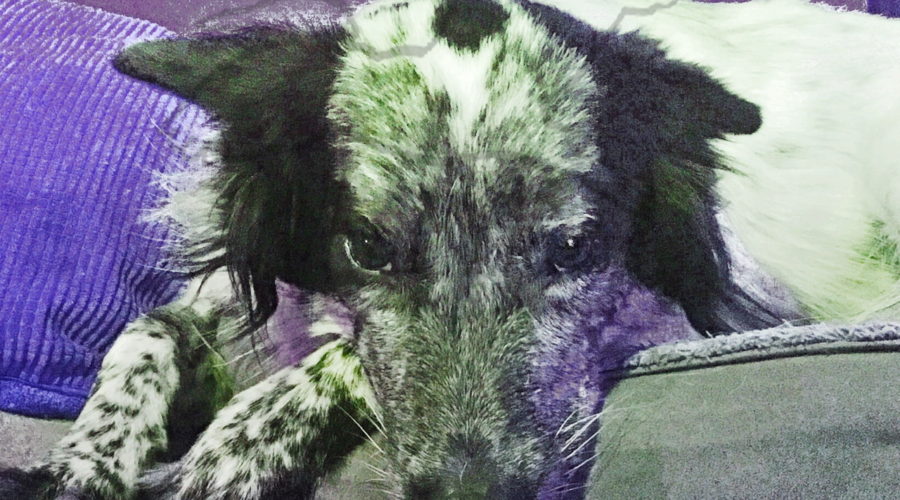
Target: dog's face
{"x":510,"y":203}
{"x":466,"y":167}
{"x":466,"y":175}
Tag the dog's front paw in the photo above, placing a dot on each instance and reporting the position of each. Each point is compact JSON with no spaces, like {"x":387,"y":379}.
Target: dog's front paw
{"x":31,"y":484}
{"x":37,"y":484}
{"x":160,"y":483}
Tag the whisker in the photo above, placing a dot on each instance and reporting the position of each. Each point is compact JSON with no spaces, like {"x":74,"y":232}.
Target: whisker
{"x":379,"y":423}
{"x":563,"y":425}
{"x":586,"y":441}
{"x":368,"y":436}
{"x":583,"y":419}
{"x":381,"y":472}
{"x":569,"y":488}
{"x":586,"y":461}
{"x":587,"y":425}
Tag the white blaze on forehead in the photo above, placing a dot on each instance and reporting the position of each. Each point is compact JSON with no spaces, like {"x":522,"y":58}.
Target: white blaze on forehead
{"x":519,"y":95}
{"x":463,"y":75}
{"x":404,"y":29}
{"x":385,"y":28}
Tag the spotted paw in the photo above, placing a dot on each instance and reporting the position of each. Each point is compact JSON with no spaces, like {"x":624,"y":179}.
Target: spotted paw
{"x":35,"y":484}
{"x":160,"y":482}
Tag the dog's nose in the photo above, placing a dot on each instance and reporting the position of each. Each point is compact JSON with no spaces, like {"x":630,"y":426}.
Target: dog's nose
{"x":469,"y":472}
{"x":473,"y":486}
{"x":449,"y":488}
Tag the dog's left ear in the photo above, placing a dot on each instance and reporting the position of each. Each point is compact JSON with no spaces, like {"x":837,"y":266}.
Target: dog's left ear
{"x":655,"y":118}
{"x":697,"y":100}
{"x":277,"y":195}
{"x":675,"y":109}
{"x":677,"y":244}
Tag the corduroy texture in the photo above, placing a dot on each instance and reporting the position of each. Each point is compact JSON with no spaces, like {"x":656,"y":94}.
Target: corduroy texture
{"x":78,"y":147}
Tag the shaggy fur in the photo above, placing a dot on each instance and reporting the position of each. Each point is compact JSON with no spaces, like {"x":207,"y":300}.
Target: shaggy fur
{"x":488,"y":206}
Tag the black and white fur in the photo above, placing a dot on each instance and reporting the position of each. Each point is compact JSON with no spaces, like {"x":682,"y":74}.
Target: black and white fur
{"x":450,"y":181}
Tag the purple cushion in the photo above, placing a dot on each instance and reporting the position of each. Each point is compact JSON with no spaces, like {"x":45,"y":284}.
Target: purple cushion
{"x":78,"y":144}
{"x":187,"y":16}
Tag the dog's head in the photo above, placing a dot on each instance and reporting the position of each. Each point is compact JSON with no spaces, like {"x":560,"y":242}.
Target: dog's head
{"x":510,"y":201}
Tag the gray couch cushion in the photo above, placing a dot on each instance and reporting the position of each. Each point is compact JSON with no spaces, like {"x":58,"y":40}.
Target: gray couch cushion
{"x":809,"y":416}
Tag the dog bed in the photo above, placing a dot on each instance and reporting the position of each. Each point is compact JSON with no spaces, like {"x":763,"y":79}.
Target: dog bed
{"x":802,"y":412}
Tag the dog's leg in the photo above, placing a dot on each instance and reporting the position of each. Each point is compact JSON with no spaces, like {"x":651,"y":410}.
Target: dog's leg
{"x":124,"y":419}
{"x":278,"y":438}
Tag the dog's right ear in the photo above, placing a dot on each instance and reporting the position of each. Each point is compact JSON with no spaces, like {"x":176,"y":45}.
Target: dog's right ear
{"x":229,"y":73}
{"x":276,"y":189}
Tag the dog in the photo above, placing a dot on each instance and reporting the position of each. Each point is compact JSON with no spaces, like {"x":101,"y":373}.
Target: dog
{"x":479,"y":209}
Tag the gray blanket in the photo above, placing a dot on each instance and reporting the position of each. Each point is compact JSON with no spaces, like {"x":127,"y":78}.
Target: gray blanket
{"x":795,"y":412}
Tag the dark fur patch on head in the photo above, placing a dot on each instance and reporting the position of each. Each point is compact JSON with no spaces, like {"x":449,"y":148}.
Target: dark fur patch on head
{"x":465,"y":23}
{"x":276,"y":186}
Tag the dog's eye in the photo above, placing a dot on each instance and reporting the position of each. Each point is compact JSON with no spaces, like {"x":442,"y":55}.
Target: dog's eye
{"x":367,"y":249}
{"x":568,"y":252}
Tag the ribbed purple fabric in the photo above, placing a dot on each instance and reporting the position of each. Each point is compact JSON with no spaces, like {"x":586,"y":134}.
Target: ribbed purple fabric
{"x":78,"y":145}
